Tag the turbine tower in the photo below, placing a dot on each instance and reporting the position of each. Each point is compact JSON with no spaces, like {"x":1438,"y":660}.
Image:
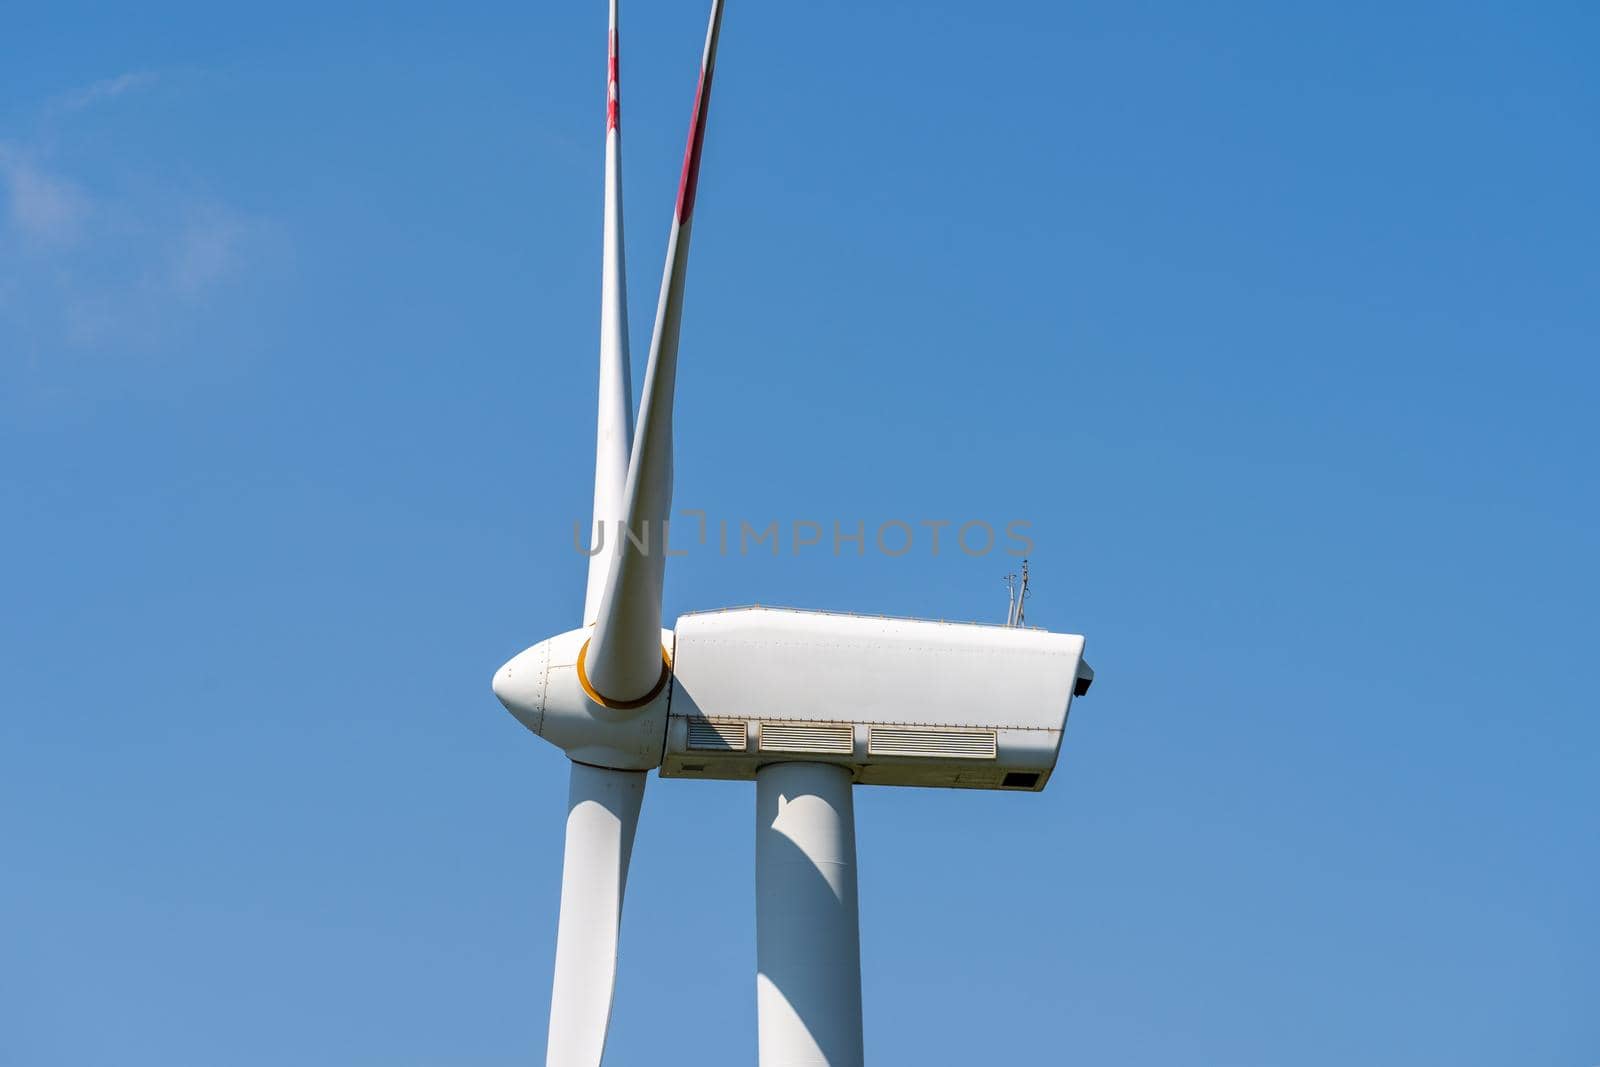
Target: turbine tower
{"x":805,"y":704}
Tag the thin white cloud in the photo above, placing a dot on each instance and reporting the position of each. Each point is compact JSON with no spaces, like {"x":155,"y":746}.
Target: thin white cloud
{"x":83,"y":268}
{"x":209,"y":248}
{"x":41,"y":207}
{"x":96,"y":92}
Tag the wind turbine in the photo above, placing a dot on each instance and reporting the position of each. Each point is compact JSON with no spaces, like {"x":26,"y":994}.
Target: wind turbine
{"x":806,"y":704}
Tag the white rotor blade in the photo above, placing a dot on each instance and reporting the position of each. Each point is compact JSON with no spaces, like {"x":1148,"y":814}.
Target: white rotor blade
{"x":614,"y":431}
{"x":623,"y":662}
{"x":602,"y":815}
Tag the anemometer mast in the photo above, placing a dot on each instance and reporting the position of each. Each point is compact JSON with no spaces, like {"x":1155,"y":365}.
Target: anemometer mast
{"x":1018,"y":590}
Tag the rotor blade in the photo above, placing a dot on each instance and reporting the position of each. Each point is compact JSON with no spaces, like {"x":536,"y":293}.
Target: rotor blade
{"x":602,"y":814}
{"x":623,"y":661}
{"x":614,"y":429}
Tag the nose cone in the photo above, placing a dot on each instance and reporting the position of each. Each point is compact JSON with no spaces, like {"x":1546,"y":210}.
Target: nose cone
{"x":520,"y":685}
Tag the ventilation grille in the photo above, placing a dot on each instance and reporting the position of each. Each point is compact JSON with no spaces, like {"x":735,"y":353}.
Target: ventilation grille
{"x":949,"y":744}
{"x":807,"y":737}
{"x":717,"y":736}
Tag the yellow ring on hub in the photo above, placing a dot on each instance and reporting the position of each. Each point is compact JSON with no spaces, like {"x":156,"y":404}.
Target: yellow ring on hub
{"x":624,"y":705}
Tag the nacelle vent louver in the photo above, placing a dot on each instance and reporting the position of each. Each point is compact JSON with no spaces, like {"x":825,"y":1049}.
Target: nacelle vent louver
{"x":823,"y":738}
{"x":949,"y":744}
{"x":707,"y":736}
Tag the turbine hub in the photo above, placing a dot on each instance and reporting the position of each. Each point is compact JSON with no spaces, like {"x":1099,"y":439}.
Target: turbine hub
{"x":544,"y":690}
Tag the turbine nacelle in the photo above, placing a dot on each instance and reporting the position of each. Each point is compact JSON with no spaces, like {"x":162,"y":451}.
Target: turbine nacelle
{"x":545,"y":689}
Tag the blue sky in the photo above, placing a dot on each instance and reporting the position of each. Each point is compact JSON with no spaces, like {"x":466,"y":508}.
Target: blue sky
{"x":1278,"y":324}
